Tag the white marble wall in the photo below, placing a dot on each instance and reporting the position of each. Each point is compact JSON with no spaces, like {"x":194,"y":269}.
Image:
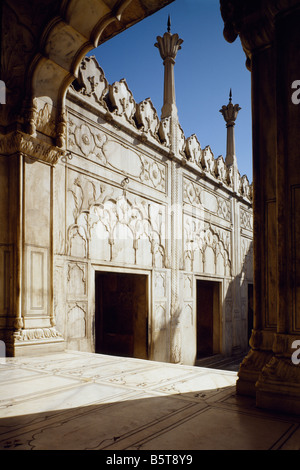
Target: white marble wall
{"x":113,"y":210}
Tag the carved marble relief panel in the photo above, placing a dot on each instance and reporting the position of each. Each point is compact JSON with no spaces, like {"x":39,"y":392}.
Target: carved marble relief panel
{"x":247,"y":257}
{"x":147,"y":118}
{"x":192,"y":193}
{"x":160,"y":324}
{"x":91,"y":81}
{"x":88,"y":140}
{"x":207,"y":248}
{"x":76,"y":280}
{"x":109,"y":224}
{"x":76,"y":320}
{"x":201,"y":199}
{"x":246,"y":218}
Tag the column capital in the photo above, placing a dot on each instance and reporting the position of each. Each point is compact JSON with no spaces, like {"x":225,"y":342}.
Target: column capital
{"x":253,"y":21}
{"x":168,"y":46}
{"x":230,"y":112}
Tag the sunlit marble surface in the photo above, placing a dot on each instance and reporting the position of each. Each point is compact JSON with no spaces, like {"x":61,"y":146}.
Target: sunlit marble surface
{"x":86,"y":401}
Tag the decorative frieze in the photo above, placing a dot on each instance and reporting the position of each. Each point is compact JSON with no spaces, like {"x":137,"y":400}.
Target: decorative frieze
{"x":36,"y":334}
{"x":93,"y":143}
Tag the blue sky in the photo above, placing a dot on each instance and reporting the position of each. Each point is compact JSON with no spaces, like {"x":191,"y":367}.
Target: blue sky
{"x":205,"y":70}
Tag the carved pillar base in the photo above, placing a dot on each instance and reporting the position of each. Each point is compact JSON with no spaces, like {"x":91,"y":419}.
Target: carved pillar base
{"x":250,"y":370}
{"x":261,"y":353}
{"x":33,"y":342}
{"x":278,"y":386}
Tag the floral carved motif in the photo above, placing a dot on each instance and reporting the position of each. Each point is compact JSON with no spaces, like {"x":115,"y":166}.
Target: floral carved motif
{"x":193,"y":149}
{"x":224,"y":209}
{"x":246,"y":219}
{"x":191,"y":193}
{"x":208,"y":160}
{"x":93,"y":143}
{"x":91,"y":80}
{"x":147,"y":118}
{"x":94,"y":204}
{"x":122,"y":100}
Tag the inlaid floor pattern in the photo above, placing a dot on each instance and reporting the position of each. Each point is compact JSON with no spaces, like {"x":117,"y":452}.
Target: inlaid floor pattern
{"x":85,"y":401}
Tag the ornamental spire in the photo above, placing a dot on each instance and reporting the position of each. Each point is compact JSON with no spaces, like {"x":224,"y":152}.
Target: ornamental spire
{"x":168,"y":46}
{"x":230,"y":113}
{"x":169,"y":24}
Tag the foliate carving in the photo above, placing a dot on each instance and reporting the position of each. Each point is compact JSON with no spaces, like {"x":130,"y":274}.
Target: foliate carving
{"x":153,"y":174}
{"x":221,"y":169}
{"x":147,"y":118}
{"x":245,"y":189}
{"x":96,"y":145}
{"x":37,"y":334}
{"x":224,"y":209}
{"x":45,"y":122}
{"x":31,"y":146}
{"x":191,"y":193}
{"x":193,"y":150}
{"x":279,"y":370}
{"x":180,"y":140}
{"x":230,"y":113}
{"x":122,"y":100}
{"x":198,"y":235}
{"x":91,"y":80}
{"x":94,"y":204}
{"x":164,"y":131}
{"x":208,"y":160}
{"x":168,"y":45}
{"x":246,"y":218}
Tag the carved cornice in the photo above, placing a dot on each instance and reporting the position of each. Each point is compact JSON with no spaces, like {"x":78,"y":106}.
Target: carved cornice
{"x":17,"y":141}
{"x":253,"y":21}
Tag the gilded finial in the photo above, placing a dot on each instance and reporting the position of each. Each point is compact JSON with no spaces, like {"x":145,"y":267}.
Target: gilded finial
{"x":169,"y":24}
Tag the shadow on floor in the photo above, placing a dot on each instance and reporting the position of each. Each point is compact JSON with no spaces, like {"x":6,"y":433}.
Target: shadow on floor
{"x":205,"y":420}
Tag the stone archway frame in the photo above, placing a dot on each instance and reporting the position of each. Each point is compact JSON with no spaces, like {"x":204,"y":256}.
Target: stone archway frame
{"x":80,"y":26}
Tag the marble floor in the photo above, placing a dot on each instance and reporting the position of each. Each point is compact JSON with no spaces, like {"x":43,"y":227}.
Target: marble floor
{"x":84,"y":401}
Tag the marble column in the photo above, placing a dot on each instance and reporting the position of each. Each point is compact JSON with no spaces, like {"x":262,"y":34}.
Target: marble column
{"x":168,"y":45}
{"x":269,"y":32}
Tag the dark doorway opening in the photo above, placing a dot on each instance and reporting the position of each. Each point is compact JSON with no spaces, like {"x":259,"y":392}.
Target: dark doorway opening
{"x":121,"y":314}
{"x":208,"y":318}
